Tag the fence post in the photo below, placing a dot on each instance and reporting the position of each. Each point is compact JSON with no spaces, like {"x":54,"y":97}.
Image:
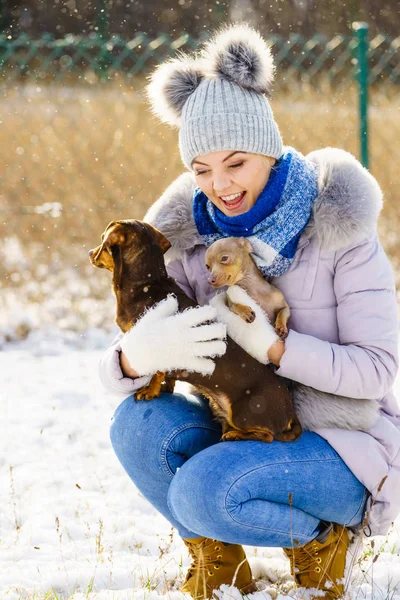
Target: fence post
{"x":102,"y":19}
{"x":102,"y":23}
{"x":361,"y":31}
{"x":2,"y":16}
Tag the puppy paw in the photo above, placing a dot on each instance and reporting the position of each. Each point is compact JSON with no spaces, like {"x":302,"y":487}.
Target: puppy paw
{"x":282,"y":332}
{"x":145,"y":394}
{"x":231,"y":436}
{"x":248,"y":315}
{"x":242,"y":310}
{"x":152,"y":389}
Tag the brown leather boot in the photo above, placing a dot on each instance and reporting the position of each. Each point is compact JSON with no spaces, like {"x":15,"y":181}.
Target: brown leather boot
{"x":321,"y":565}
{"x":213,"y":564}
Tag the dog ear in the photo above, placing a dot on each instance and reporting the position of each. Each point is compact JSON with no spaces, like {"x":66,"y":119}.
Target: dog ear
{"x":114,"y":238}
{"x":113,"y":235}
{"x":159,"y":238}
{"x":244,"y":243}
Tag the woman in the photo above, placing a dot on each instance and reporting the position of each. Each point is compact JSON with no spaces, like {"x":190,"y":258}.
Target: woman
{"x":312,"y":224}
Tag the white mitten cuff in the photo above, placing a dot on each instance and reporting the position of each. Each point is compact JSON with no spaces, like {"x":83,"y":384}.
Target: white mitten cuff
{"x":257,"y":337}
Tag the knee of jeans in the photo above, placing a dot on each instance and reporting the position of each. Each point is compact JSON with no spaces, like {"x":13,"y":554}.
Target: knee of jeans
{"x":197,"y":500}
{"x":134,"y":426}
{"x":161,"y":434}
{"x":123,"y":426}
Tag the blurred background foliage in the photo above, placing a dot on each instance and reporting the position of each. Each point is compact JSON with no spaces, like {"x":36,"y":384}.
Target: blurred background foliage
{"x":328,"y":17}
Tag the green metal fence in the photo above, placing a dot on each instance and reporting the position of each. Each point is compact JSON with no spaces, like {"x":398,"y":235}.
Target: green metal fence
{"x":78,"y":144}
{"x":305,"y":58}
{"x":338,"y":60}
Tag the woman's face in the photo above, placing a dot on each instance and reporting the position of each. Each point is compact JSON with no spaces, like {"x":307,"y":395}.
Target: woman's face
{"x":232,"y":180}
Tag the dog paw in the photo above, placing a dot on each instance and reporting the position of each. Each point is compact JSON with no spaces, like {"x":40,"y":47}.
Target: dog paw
{"x":248,"y":315}
{"x":145,"y":394}
{"x":231,"y":436}
{"x":282,"y":332}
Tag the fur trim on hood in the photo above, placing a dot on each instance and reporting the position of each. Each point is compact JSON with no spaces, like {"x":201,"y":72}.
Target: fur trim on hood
{"x":345,"y":212}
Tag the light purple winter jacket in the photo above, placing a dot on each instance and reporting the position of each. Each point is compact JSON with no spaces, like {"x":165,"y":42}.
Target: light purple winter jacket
{"x":343,"y":327}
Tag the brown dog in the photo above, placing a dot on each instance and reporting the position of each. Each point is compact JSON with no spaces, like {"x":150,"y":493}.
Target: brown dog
{"x":246,"y":396}
{"x":230,"y":263}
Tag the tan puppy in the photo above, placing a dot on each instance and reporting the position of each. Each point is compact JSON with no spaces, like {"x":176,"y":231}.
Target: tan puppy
{"x":230,"y":263}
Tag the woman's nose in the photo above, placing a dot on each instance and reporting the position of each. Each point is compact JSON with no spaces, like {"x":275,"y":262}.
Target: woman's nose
{"x":221,"y":185}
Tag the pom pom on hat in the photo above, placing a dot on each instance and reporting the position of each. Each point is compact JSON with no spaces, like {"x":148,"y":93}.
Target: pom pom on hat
{"x":171,"y":85}
{"x":239,"y":54}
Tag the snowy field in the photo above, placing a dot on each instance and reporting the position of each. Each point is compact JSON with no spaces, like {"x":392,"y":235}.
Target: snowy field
{"x":72,"y":524}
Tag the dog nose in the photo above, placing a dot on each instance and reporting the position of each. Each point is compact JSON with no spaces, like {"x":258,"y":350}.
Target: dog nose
{"x":212,"y":280}
{"x":90,"y":252}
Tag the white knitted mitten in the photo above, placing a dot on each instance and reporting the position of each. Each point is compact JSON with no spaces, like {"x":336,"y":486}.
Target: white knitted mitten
{"x":257,"y":337}
{"x":165,"y":340}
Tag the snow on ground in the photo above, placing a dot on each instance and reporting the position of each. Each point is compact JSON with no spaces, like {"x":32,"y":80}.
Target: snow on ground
{"x":72,"y":524}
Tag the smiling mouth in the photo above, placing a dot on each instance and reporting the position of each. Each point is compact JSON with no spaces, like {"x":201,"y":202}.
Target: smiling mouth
{"x":233,"y":202}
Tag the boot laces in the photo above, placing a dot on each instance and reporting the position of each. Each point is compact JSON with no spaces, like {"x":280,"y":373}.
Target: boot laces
{"x":204,"y":556}
{"x":306,"y":561}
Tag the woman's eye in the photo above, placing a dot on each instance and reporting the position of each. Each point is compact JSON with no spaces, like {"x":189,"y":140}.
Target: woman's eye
{"x":200,"y":173}
{"x":236,"y":165}
{"x":224,"y":259}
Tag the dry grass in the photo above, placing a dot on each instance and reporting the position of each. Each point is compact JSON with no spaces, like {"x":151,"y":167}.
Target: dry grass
{"x":73,"y":158}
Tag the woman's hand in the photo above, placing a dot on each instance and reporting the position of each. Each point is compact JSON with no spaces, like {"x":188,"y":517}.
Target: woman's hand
{"x":275,"y":353}
{"x":258,"y":338}
{"x":126,"y":367}
{"x":166,"y":340}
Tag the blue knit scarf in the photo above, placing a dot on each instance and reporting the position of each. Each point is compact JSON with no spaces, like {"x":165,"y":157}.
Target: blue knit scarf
{"x":274,"y":224}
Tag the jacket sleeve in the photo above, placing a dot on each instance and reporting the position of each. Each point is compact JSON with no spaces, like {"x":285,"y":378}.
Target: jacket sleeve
{"x":364,"y":364}
{"x":110,"y":371}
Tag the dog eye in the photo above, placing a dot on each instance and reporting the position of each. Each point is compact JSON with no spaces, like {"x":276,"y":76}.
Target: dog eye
{"x":224,"y":259}
{"x":208,"y":267}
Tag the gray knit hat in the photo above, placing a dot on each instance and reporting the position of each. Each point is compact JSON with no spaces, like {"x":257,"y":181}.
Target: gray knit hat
{"x":218,"y":99}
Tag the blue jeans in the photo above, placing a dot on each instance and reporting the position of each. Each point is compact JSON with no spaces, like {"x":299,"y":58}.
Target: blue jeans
{"x":244,"y":492}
